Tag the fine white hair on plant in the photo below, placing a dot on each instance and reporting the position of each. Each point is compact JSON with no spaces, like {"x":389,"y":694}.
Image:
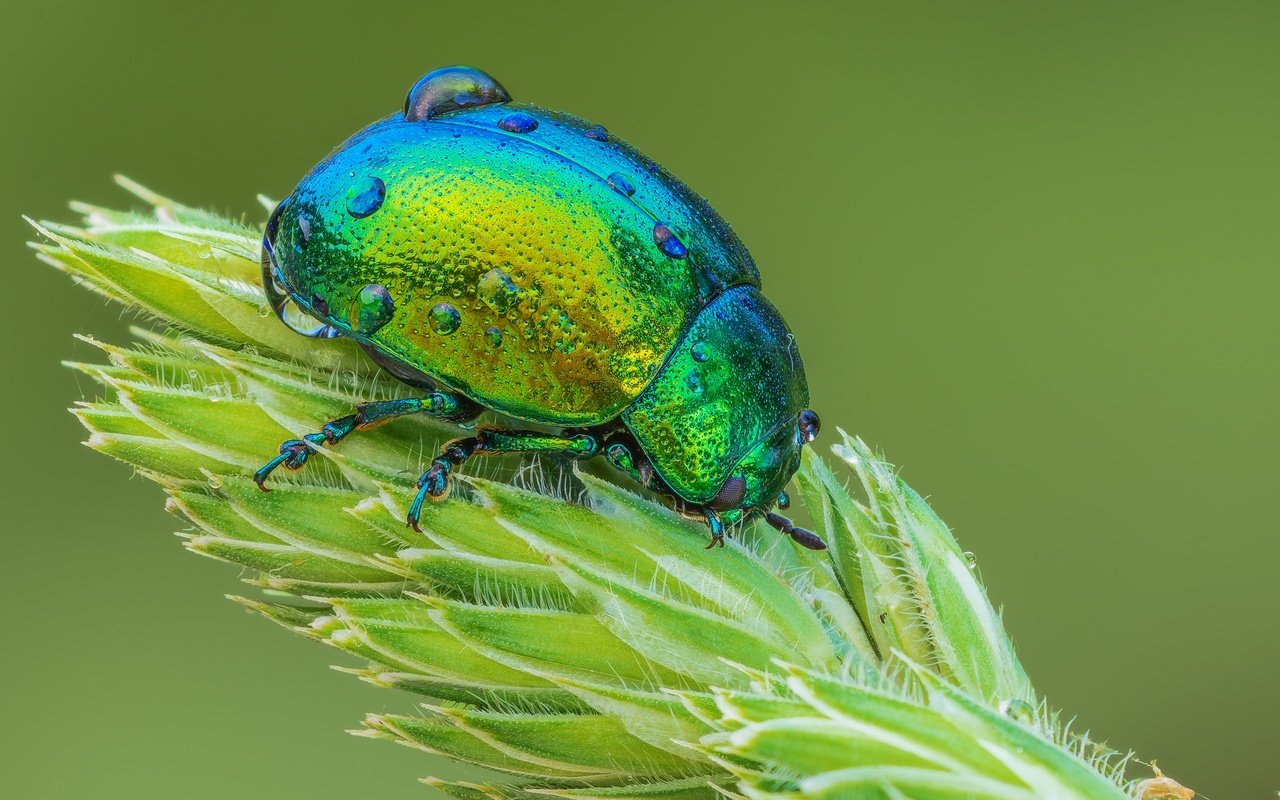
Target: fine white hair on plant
{"x":570,"y":636}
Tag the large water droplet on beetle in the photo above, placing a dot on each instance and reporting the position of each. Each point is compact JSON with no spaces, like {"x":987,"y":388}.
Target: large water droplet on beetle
{"x":700,"y":352}
{"x":518,"y":122}
{"x":498,"y":291}
{"x":449,"y":89}
{"x":373,"y":309}
{"x":596,"y":132}
{"x":621,"y":184}
{"x":444,"y":318}
{"x":286,"y":307}
{"x":493,"y":336}
{"x":365,"y":196}
{"x":667,"y":241}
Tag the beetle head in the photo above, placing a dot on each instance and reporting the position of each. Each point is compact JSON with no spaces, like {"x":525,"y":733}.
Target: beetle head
{"x":724,"y":420}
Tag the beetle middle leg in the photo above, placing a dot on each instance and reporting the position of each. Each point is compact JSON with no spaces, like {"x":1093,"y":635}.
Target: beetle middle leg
{"x":295,"y":452}
{"x":435,"y":482}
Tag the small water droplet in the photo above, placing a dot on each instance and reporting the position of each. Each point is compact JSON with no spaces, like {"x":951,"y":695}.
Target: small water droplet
{"x":667,"y":241}
{"x":445,"y":319}
{"x":693,"y":382}
{"x":700,"y":352}
{"x":374,"y":308}
{"x":596,"y":132}
{"x":304,"y":227}
{"x":493,"y":336}
{"x":621,"y":184}
{"x":970,"y":559}
{"x":498,"y":291}
{"x":517,"y":122}
{"x":1018,"y":711}
{"x":365,"y":196}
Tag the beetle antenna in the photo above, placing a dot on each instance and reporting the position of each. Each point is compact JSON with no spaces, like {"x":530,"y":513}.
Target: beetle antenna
{"x":801,"y":536}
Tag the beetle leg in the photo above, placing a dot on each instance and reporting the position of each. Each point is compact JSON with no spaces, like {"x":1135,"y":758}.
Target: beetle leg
{"x":294,"y":452}
{"x":717,"y":527}
{"x":801,"y":536}
{"x":435,"y":482}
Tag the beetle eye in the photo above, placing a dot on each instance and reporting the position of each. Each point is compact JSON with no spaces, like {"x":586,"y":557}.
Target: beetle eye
{"x":730,"y":494}
{"x":808,"y":425}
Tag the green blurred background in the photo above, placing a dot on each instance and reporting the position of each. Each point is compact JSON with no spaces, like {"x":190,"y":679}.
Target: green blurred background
{"x":1029,"y":250}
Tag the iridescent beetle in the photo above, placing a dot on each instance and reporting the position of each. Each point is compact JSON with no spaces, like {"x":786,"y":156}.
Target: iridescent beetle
{"x":501,"y":256}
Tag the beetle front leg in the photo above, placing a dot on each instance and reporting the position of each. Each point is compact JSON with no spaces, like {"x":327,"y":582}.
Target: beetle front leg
{"x":435,"y":482}
{"x":295,"y":452}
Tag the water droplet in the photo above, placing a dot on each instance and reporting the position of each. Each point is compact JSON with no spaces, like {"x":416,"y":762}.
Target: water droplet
{"x":493,"y":336}
{"x":970,"y":559}
{"x":517,"y":122}
{"x":621,"y":184}
{"x":373,"y":309}
{"x":1018,"y":711}
{"x":304,"y":227}
{"x":667,"y":241}
{"x":498,"y":291}
{"x":365,"y":196}
{"x":596,"y":132}
{"x":444,"y":318}
{"x":449,"y":89}
{"x":693,"y":382}
{"x":700,"y":352}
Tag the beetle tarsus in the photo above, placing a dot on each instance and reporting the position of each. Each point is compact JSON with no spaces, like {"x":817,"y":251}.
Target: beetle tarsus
{"x":717,"y":527}
{"x":294,"y":452}
{"x":800,"y":536}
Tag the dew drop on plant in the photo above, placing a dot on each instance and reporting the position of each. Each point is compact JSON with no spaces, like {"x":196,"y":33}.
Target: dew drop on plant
{"x":1018,"y":711}
{"x":970,"y":559}
{"x":444,"y":318}
{"x":365,"y":196}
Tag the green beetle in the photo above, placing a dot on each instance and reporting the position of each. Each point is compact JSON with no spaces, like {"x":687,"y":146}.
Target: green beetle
{"x":505,"y":257}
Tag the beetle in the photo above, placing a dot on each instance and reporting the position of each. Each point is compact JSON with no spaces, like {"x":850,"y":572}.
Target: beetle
{"x":505,"y":257}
